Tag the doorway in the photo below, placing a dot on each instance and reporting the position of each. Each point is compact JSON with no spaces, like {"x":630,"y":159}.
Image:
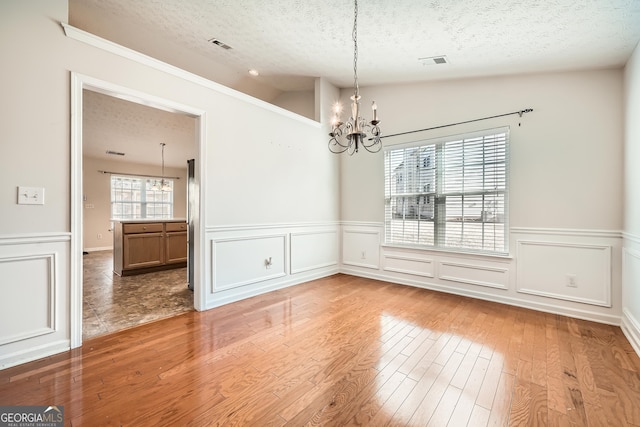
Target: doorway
{"x":84,"y":84}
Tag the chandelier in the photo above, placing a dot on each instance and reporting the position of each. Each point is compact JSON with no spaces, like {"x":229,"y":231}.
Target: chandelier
{"x":162,"y":185}
{"x":356,"y":132}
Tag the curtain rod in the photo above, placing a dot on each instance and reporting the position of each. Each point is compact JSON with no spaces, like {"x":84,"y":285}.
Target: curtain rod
{"x":137,"y":174}
{"x":520,"y":113}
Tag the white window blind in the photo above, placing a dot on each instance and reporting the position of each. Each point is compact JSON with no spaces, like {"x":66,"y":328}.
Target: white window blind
{"x":450,"y":193}
{"x":135,"y":198}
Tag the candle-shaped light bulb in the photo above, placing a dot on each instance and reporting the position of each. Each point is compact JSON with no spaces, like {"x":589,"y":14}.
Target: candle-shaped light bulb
{"x":337,"y":109}
{"x":374,"y":107}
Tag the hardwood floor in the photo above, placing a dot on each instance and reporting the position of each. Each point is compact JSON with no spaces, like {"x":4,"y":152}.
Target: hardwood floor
{"x":344,"y":351}
{"x":111,"y":303}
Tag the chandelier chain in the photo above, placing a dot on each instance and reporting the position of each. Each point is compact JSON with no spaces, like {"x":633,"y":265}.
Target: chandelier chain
{"x":355,"y":50}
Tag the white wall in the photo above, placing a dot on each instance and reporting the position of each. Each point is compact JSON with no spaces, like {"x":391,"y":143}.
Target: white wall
{"x":299,"y":101}
{"x":631,"y":255}
{"x":97,"y":190}
{"x":566,"y":196}
{"x":266,"y":169}
{"x":565,"y":152}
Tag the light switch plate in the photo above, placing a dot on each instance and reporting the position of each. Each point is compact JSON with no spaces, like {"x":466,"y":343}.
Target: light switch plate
{"x":31,"y":195}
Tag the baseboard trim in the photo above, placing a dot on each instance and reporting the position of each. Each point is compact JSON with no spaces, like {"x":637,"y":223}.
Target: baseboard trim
{"x":34,"y":353}
{"x":631,"y":329}
{"x":546,"y":308}
{"x":103,"y":248}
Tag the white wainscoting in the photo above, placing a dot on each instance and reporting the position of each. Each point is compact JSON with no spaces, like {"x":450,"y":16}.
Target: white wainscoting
{"x":413,"y":264}
{"x":34,"y":296}
{"x":312,"y":250}
{"x":547,"y":269}
{"x":631,"y":296}
{"x":474,"y":274}
{"x":361,"y":247}
{"x":245,"y":261}
{"x":529,"y":277}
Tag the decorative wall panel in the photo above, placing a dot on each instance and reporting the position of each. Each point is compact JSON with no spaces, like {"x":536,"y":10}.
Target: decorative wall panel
{"x":244,"y":260}
{"x":413,"y":264}
{"x":361,"y":248}
{"x":474,"y":274}
{"x":568,"y":271}
{"x":34,"y":294}
{"x":312,"y":250}
{"x":27,"y":309}
{"x":631,"y":270}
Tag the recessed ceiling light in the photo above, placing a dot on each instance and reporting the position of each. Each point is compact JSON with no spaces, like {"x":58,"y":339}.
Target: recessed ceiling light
{"x":254,"y":72}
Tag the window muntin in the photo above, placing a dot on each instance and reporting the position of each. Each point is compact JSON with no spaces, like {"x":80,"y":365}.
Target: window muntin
{"x":135,"y":198}
{"x":450,"y":193}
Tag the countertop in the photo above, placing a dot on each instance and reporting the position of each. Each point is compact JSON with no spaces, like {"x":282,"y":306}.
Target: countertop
{"x":145,"y":220}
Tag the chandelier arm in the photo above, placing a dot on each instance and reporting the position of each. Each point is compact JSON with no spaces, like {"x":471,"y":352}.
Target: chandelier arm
{"x":336,"y":141}
{"x":332,"y":146}
{"x":372,"y":148}
{"x":373,"y":142}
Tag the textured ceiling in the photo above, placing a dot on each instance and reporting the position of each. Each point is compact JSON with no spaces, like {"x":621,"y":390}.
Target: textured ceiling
{"x":291,"y":42}
{"x":114,"y":124}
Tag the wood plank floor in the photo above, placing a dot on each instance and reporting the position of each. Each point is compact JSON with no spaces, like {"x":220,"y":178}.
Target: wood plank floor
{"x":344,"y":351}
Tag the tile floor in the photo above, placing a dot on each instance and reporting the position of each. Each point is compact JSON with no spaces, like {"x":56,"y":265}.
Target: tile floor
{"x":112,"y":303}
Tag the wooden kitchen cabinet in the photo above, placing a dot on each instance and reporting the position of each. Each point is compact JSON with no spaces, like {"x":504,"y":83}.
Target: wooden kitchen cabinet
{"x":175,"y":243}
{"x":141,"y":247}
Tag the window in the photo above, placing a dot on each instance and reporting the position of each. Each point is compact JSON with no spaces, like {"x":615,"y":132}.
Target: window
{"x":134,"y":198}
{"x":466,"y":178}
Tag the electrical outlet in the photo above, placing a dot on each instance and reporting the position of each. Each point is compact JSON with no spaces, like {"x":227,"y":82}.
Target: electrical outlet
{"x":571,"y":281}
{"x":30,"y":195}
{"x":99,"y":236}
{"x":363,"y":255}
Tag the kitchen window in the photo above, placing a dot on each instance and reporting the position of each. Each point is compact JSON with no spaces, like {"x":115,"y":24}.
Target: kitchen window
{"x":136,"y":198}
{"x":466,"y":178}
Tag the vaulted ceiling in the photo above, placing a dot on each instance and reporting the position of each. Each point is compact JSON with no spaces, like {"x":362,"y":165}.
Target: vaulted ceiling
{"x":291,"y":42}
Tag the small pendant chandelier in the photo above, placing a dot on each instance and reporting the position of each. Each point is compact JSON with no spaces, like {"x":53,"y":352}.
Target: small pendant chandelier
{"x":356,"y":132}
{"x":162,"y":185}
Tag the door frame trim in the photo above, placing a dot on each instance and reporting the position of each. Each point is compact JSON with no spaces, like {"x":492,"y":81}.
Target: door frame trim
{"x":79,"y":82}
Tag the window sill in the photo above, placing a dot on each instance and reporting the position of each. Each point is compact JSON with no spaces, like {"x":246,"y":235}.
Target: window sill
{"x":458,"y":253}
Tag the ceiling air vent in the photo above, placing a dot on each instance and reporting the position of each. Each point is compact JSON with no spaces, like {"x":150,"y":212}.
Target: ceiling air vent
{"x":115,"y":153}
{"x":434,"y":60}
{"x":219,"y":43}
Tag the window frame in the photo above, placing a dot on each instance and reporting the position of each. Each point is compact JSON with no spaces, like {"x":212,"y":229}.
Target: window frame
{"x":438,"y":195}
{"x":144,"y":201}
